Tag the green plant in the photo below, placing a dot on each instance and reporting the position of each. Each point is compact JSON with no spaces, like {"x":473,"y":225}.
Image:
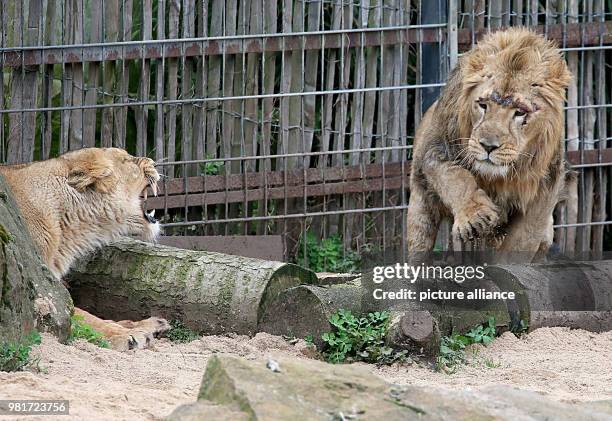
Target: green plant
{"x":452,"y":353}
{"x":211,"y":168}
{"x":309,"y":339}
{"x":327,"y":255}
{"x":181,"y":333}
{"x":489,"y":363}
{"x":452,"y":348}
{"x":14,"y":356}
{"x":482,"y":334}
{"x":359,"y":339}
{"x":81,"y":330}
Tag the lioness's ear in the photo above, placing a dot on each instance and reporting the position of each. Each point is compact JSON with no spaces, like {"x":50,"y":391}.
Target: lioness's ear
{"x":96,"y":173}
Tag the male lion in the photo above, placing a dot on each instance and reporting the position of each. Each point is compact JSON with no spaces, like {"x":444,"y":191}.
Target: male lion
{"x":81,"y":201}
{"x":489,"y":152}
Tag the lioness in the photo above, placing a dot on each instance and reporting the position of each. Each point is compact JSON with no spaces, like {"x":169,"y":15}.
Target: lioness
{"x":83,"y":200}
{"x":489,"y":153}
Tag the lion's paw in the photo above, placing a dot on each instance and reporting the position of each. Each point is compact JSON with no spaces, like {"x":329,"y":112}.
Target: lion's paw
{"x":476,"y":219}
{"x":140,"y":335}
{"x":135,"y":339}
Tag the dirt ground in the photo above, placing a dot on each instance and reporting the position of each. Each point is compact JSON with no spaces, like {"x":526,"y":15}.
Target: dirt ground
{"x":101,"y":384}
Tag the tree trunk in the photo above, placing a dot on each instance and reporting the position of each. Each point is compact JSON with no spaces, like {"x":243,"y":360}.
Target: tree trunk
{"x":306,"y":309}
{"x":572,"y":294}
{"x":209,"y":292}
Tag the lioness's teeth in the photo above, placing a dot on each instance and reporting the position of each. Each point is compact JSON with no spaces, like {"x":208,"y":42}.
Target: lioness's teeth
{"x":152,"y":213}
{"x":145,"y":194}
{"x":154,"y":188}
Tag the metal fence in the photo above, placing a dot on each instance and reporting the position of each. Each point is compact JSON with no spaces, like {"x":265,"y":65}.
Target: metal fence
{"x":288,"y":117}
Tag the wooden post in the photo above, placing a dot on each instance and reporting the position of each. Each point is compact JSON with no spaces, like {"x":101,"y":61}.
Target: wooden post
{"x":24,"y":82}
{"x":142,"y":113}
{"x":111,"y":34}
{"x":172,"y":87}
{"x":91,"y":91}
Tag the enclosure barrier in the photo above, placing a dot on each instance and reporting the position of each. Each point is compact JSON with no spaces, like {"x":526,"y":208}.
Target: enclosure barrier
{"x":286,"y":117}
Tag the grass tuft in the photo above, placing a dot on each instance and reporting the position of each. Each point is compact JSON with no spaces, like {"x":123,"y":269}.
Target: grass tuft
{"x":81,"y":330}
{"x":181,"y":333}
{"x":360,"y":339}
{"x":15,"y":356}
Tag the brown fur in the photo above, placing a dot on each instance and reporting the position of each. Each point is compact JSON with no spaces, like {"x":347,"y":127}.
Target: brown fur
{"x":81,"y":201}
{"x":489,"y":152}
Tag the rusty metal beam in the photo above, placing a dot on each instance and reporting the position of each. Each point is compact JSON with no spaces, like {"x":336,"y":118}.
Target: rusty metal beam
{"x":570,"y":35}
{"x":312,"y":182}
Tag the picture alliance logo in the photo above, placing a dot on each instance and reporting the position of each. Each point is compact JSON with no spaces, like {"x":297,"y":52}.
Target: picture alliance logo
{"x":411,"y":273}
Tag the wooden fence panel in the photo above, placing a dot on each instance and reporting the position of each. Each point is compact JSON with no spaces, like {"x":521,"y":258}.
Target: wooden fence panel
{"x":269,"y":108}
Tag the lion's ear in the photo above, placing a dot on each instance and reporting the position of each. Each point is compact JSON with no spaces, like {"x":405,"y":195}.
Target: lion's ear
{"x":96,"y":173}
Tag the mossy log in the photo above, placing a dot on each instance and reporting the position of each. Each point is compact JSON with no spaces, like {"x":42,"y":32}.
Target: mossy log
{"x":305,"y":310}
{"x":571,"y":294}
{"x":209,"y":292}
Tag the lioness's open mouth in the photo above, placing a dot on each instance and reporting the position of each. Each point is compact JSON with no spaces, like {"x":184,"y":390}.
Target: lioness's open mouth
{"x":149,"y":216}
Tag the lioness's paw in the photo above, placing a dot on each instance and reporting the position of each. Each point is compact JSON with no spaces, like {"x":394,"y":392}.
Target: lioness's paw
{"x":135,"y":339}
{"x":138,"y":335}
{"x":477,"y":219}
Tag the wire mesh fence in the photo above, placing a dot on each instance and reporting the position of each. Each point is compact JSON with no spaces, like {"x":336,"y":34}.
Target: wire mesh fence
{"x":286,"y":117}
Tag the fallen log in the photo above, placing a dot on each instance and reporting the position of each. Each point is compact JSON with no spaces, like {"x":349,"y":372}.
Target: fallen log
{"x":209,"y":292}
{"x":305,"y":310}
{"x":414,"y":330}
{"x":216,"y":293}
{"x":570,"y":294}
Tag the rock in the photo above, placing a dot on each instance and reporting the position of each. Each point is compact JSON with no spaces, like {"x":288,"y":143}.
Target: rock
{"x":237,"y":388}
{"x":203,"y":410}
{"x":30,"y":298}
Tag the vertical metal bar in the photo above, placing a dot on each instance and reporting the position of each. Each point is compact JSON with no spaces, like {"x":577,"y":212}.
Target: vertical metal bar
{"x":453,"y":47}
{"x":431,"y":72}
{"x":302,"y":127}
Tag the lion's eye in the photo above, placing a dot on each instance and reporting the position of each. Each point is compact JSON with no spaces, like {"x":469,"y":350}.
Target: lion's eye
{"x":519,"y":113}
{"x":483,"y":106}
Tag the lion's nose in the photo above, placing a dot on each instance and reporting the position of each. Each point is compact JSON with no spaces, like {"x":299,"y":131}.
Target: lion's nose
{"x":490,"y":143}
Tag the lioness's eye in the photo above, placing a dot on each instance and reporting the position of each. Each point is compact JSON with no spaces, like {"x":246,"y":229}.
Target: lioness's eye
{"x":482,"y":105}
{"x":519,"y":113}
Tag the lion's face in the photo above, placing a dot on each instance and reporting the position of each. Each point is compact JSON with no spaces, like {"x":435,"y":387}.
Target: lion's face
{"x":119,"y":180}
{"x":501,"y":132}
{"x":512,"y":103}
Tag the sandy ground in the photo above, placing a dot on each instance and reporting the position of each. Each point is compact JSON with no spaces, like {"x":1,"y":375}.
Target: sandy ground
{"x":569,"y":365}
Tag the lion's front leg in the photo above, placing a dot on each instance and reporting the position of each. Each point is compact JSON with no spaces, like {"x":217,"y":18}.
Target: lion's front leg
{"x":126,"y":334}
{"x":474,"y":213}
{"x":531,"y":233}
{"x":422,"y":221}
{"x":528,"y":235}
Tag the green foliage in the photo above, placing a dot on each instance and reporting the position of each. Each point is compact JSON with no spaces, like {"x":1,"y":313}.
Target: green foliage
{"x":452,"y":353}
{"x":359,"y":339}
{"x":181,"y":333}
{"x":211,"y":168}
{"x":452,"y":348}
{"x":15,"y":356}
{"x":327,"y":256}
{"x":81,"y":330}
{"x":482,"y":334}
